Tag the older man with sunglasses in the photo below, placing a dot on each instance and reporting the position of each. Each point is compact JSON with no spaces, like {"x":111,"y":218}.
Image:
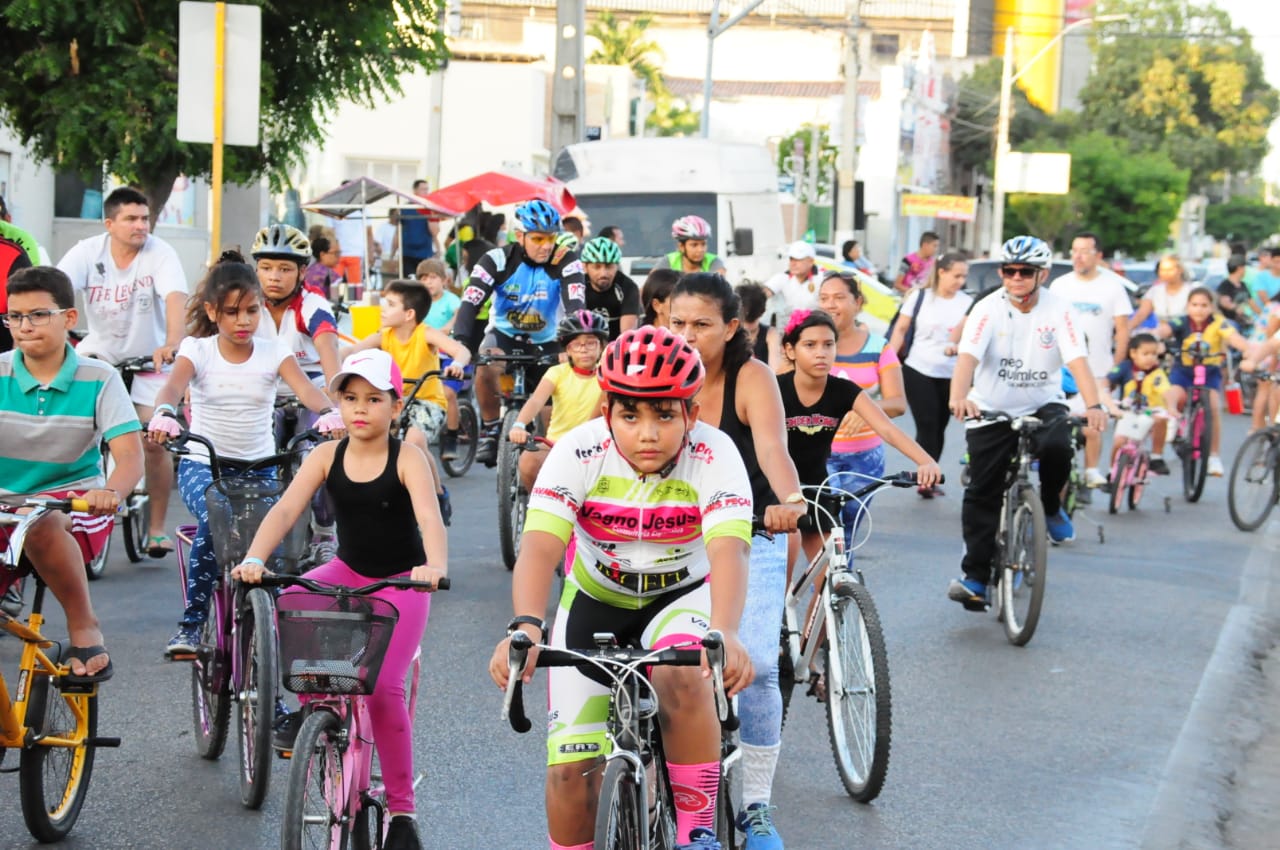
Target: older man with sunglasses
{"x":1014,"y":345}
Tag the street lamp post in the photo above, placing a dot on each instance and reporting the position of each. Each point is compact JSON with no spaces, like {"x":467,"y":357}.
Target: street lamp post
{"x":1007,"y":79}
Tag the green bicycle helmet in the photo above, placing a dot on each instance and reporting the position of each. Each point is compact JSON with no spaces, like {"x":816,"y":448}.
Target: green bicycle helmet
{"x":602,"y":249}
{"x":565,"y":239}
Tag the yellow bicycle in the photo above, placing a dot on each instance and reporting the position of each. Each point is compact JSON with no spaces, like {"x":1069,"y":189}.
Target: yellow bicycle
{"x":50,"y":721}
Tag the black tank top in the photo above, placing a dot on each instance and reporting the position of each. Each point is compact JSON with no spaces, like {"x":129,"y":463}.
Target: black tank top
{"x":761,"y":493}
{"x":377,"y":531}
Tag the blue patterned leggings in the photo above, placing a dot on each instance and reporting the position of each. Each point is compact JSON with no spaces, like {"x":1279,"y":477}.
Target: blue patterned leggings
{"x":850,"y":471}
{"x":760,"y":704}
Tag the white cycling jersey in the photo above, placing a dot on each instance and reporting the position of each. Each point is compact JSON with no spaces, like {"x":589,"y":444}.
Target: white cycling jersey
{"x":635,"y":537}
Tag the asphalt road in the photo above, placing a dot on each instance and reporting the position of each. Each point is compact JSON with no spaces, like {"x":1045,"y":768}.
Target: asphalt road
{"x":1059,"y":744}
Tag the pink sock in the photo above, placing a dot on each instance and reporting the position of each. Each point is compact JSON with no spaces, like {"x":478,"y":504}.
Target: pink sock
{"x":590,"y":845}
{"x":694,"y":787}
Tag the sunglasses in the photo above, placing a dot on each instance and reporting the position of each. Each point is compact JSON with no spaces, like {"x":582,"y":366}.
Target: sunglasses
{"x":1026,"y":272}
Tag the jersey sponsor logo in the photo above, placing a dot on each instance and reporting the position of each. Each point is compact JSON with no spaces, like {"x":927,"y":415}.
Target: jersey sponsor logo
{"x":527,"y":321}
{"x":655,"y":521}
{"x":723,"y":499}
{"x":690,"y":799}
{"x":473,"y":295}
{"x":580,"y":747}
{"x":1070,"y":326}
{"x":590,"y":452}
{"x":577,"y":292}
{"x":979,"y":328}
{"x":1013,"y":372}
{"x":812,"y":423}
{"x":702,"y":451}
{"x":480,"y":272}
{"x":1046,"y":338}
{"x":574,"y":267}
{"x":557,"y":494}
{"x":1087,"y":308}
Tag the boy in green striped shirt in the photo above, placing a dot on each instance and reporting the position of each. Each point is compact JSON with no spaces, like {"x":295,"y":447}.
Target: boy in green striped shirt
{"x":55,"y":409}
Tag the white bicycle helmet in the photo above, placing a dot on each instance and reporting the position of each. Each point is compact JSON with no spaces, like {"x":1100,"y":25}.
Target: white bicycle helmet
{"x":690,"y":227}
{"x":282,"y":242}
{"x":1027,"y":249}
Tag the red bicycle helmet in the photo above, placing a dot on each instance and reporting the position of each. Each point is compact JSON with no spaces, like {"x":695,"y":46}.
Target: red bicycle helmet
{"x":651,"y":362}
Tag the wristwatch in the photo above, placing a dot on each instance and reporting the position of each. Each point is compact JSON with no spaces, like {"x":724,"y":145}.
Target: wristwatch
{"x":526,"y":620}
{"x":796,"y":498}
{"x":1098,"y":406}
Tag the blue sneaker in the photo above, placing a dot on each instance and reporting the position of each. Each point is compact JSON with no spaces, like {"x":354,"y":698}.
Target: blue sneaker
{"x":969,"y":592}
{"x":446,"y":506}
{"x":701,"y":838}
{"x":756,"y":822}
{"x":185,"y":643}
{"x":1060,"y":528}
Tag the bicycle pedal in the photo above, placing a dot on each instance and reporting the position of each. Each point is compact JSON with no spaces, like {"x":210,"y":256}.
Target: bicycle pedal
{"x":180,"y":656}
{"x":102,"y":742}
{"x":976,"y":604}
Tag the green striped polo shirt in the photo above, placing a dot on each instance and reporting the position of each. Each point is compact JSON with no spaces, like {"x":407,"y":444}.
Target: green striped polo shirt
{"x":50,"y":434}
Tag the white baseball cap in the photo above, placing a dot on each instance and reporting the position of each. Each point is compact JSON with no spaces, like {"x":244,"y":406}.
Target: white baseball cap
{"x":375,"y":366}
{"x":801,"y":251}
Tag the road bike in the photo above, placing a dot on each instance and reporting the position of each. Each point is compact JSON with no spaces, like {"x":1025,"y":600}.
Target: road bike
{"x":332,"y":643}
{"x":50,"y":720}
{"x":515,"y":392}
{"x":1255,"y":478}
{"x":1131,"y":466}
{"x":841,"y":627}
{"x":1017,"y":579}
{"x":1195,"y":426}
{"x":235,"y":661}
{"x":636,"y":809}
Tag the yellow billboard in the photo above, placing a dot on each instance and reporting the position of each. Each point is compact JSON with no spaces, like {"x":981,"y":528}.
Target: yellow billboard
{"x":945,"y":207}
{"x":1035,"y":23}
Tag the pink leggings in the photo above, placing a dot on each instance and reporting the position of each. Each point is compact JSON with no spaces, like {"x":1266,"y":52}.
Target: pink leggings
{"x":392,"y":725}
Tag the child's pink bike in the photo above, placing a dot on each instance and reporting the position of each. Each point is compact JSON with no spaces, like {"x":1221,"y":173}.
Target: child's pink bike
{"x":1131,"y":466}
{"x":332,"y":642}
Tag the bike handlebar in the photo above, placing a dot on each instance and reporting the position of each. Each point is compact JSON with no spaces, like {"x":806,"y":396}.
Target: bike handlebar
{"x":619,"y":656}
{"x":178,"y":446}
{"x":280,"y":580}
{"x":519,"y":359}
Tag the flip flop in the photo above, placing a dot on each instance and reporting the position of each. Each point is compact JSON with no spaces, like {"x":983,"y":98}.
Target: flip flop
{"x":159,"y":545}
{"x":84,"y":653}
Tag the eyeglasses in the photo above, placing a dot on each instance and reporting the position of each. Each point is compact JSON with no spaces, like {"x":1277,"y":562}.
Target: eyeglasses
{"x":1026,"y":272}
{"x":583,"y":344}
{"x":37,"y":318}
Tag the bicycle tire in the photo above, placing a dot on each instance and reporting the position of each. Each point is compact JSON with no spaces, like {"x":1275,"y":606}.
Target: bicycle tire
{"x":1195,"y":459}
{"x":786,"y":673}
{"x":314,"y":813}
{"x":1119,"y":481}
{"x":1023,"y":572}
{"x":135,"y":525}
{"x":1253,"y":472}
{"x":54,"y":781}
{"x":726,"y":817}
{"x":508,"y":496}
{"x":210,"y":695}
{"x":257,"y":698}
{"x":859,"y":707}
{"x":1138,"y":480}
{"x":468,"y":436}
{"x":618,"y":821}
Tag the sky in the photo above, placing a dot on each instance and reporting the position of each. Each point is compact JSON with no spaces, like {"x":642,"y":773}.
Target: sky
{"x":1264,"y":27}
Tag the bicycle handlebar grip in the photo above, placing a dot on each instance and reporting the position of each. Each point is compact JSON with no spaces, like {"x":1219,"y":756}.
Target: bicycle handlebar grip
{"x":443,"y":583}
{"x":80,"y":505}
{"x":517,"y":655}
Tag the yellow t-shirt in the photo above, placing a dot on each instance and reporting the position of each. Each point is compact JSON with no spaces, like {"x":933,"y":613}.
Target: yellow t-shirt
{"x":1154,"y":383}
{"x":576,"y":399}
{"x":1215,"y":335}
{"x":415,"y":358}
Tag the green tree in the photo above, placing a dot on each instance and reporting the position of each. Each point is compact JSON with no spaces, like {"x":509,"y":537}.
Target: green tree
{"x":1177,"y":77}
{"x":672,"y":116}
{"x":1244,"y":220}
{"x":626,"y":43}
{"x":827,"y":154}
{"x":974,"y":114}
{"x":1054,"y":218}
{"x":90,"y":84}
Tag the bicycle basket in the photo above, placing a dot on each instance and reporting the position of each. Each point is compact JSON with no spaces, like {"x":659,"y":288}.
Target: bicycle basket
{"x":236,"y":508}
{"x":1135,"y":426}
{"x":333,"y":644}
{"x":294,"y":548}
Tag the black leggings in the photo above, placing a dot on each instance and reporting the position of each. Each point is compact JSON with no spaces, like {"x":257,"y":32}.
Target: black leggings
{"x":928,"y":400}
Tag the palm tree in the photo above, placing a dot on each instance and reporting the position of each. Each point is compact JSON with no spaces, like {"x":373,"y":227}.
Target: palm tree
{"x":625,"y":44}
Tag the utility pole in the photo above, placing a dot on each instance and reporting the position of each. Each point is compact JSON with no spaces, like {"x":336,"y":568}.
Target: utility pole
{"x":847,"y":165}
{"x":568,"y":89}
{"x":714,"y":30}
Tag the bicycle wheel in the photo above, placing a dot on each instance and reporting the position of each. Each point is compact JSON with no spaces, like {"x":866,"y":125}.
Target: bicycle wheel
{"x":257,"y":645}
{"x":1252,"y":491}
{"x":210,"y":696}
{"x":135,"y":525}
{"x":1022,"y":576}
{"x":1119,"y":479}
{"x":859,"y":709}
{"x":510,"y":520}
{"x":53,"y":781}
{"x":468,"y":434}
{"x":618,"y":814}
{"x":315,"y":799}
{"x":1138,"y":480}
{"x":1195,"y":458}
{"x":786,"y":673}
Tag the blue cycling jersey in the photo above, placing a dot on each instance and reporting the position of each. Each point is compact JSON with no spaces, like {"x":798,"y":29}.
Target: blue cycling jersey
{"x":528,"y":298}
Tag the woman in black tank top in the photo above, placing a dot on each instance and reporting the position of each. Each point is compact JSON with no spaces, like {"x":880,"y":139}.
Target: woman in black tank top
{"x":741,"y":398}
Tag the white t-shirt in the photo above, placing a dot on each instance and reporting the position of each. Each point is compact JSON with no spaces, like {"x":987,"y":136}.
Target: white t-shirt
{"x":798,"y":294}
{"x":937,"y":318}
{"x":1166,"y":307}
{"x":124,"y":307}
{"x":232,"y":403}
{"x":1097,"y":303}
{"x":1020,"y":355}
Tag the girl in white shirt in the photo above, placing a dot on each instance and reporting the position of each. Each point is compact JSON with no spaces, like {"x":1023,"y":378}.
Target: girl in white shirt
{"x":232,"y":377}
{"x":936,"y":310}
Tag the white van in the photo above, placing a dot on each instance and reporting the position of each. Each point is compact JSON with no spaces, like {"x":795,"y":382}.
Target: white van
{"x":643,"y":185}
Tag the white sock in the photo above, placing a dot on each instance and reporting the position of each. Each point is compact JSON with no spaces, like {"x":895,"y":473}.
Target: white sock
{"x":758,"y":766}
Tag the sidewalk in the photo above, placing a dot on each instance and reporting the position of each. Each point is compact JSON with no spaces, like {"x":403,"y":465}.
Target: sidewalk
{"x":1252,"y":821}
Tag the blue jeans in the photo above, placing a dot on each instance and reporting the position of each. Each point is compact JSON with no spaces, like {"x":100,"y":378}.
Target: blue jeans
{"x":851,"y":471}
{"x":760,"y":704}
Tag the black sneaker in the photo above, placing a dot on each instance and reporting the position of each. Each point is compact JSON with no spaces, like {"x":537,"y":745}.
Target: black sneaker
{"x":487,"y":445}
{"x":285,"y":731}
{"x":1159,"y":467}
{"x":402,"y":834}
{"x":449,"y":445}
{"x":446,"y":506}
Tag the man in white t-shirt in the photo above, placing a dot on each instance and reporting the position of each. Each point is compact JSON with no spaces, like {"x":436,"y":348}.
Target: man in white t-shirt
{"x":1102,"y":309}
{"x":135,"y":299}
{"x":1015,"y":343}
{"x":797,"y":287}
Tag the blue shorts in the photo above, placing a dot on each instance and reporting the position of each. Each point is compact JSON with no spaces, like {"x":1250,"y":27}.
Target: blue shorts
{"x":1184,"y":376}
{"x":457,"y":384}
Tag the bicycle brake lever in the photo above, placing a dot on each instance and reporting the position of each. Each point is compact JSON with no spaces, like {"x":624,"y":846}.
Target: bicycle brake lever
{"x":713,"y":644}
{"x":513,"y":700}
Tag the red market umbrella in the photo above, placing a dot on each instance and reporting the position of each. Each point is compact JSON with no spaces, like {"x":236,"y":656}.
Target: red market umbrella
{"x":498,"y":188}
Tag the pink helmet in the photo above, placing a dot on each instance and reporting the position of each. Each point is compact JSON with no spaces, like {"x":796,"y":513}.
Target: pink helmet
{"x":690,"y":227}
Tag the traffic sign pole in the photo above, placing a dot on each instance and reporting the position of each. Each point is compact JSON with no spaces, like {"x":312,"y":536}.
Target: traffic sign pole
{"x":219,"y":115}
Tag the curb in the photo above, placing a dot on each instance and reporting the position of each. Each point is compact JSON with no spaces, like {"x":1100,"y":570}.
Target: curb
{"x":1194,"y":799}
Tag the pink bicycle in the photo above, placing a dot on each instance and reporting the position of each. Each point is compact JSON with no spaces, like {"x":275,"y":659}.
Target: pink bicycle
{"x":1131,"y":466}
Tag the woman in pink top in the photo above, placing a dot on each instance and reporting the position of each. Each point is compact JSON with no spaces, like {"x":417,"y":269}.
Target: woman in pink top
{"x":857,"y":453}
